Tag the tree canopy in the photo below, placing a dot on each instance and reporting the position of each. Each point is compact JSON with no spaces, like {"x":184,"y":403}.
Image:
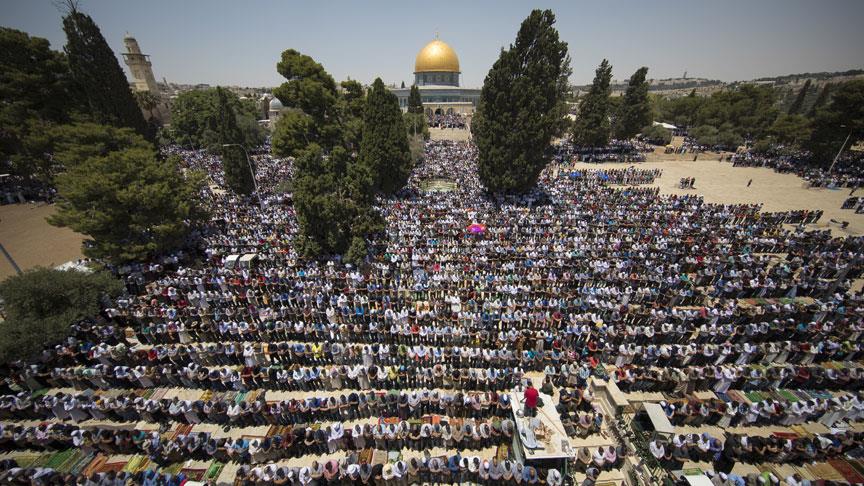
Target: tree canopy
{"x":41,"y":304}
{"x":310,"y":90}
{"x":522,"y":106}
{"x":237,"y":168}
{"x":790,"y":129}
{"x":592,"y":126}
{"x":50,"y":149}
{"x":131,"y":204}
{"x":415,"y":103}
{"x":384,"y":147}
{"x":656,"y":134}
{"x":35,"y":89}
{"x":635,"y":111}
{"x":97,"y":78}
{"x":840,"y":118}
{"x":196,"y":114}
{"x":322,"y":129}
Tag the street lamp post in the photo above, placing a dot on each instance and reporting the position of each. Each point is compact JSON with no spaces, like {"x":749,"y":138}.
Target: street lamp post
{"x":251,"y":171}
{"x":840,"y":151}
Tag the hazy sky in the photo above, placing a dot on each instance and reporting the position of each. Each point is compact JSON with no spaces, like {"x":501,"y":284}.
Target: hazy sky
{"x":238,"y":42}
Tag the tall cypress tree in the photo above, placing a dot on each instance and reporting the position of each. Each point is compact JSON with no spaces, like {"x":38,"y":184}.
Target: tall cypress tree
{"x":522,"y":106}
{"x":384,"y":148}
{"x":592,"y":124}
{"x":238,"y":174}
{"x":635,"y":111}
{"x":97,"y":77}
{"x":415,"y":103}
{"x":796,"y":105}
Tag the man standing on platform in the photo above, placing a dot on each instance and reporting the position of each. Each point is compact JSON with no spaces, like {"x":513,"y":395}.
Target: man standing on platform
{"x":531,"y":395}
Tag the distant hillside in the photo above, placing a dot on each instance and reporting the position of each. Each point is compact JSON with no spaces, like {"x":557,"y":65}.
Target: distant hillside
{"x":788,"y":84}
{"x":823,"y":76}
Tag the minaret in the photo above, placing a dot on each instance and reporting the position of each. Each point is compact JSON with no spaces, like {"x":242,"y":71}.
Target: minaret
{"x":139,"y":65}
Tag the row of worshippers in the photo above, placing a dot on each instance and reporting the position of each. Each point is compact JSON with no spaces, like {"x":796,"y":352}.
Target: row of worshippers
{"x":685,"y":380}
{"x":297,"y":442}
{"x":230,"y":411}
{"x":846,"y":407}
{"x":753,"y":449}
{"x":453,"y":469}
{"x":293,"y":379}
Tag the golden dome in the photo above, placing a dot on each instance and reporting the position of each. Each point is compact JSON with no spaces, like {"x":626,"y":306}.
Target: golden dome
{"x":436,"y":57}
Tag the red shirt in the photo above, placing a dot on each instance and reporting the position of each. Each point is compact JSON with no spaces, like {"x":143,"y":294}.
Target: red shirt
{"x":531,"y":395}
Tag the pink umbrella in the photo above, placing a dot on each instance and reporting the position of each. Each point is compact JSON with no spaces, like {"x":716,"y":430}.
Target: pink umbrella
{"x":476,"y":228}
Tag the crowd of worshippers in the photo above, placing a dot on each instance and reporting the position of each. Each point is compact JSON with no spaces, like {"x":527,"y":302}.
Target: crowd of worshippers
{"x":677,"y":294}
{"x":447,"y":120}
{"x":770,"y":411}
{"x":630,"y":176}
{"x":856,"y":203}
{"x":721,"y":378}
{"x":228,"y":410}
{"x":848,"y":171}
{"x":11,"y":473}
{"x":616,"y":151}
{"x":427,"y":469}
{"x":754,"y":449}
{"x":294,"y":442}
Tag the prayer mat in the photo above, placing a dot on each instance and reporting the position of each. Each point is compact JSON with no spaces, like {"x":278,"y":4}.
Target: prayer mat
{"x":846,"y":469}
{"x":503,"y":452}
{"x":378,"y":457}
{"x":213,"y":471}
{"x":194,"y":474}
{"x":138,"y":463}
{"x":825,"y":471}
{"x":365,"y":456}
{"x":788,"y":396}
{"x":83,"y":461}
{"x":95,"y":465}
{"x":857,"y":464}
{"x":786,"y":435}
{"x":42,"y":459}
{"x":59,"y":458}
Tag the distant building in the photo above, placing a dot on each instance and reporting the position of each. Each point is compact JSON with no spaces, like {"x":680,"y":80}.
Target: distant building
{"x":436,"y":74}
{"x":140,"y":67}
{"x":143,"y":80}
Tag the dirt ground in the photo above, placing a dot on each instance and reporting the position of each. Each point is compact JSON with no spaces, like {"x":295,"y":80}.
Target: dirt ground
{"x":32,"y":241}
{"x":720,"y":182}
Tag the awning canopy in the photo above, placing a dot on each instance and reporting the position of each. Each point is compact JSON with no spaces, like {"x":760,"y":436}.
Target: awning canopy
{"x":668,"y":126}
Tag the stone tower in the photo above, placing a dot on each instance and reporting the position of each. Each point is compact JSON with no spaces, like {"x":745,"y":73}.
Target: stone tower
{"x":139,"y":65}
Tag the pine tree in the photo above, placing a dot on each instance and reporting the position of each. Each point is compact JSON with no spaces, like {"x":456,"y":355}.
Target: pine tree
{"x":97,"y":77}
{"x":133,"y":205}
{"x":384,"y":147}
{"x":592,"y":124}
{"x":635,"y":111}
{"x":238,"y":175}
{"x":522,"y":106}
{"x":415,"y":103}
{"x":796,"y":106}
{"x":333,"y":192}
